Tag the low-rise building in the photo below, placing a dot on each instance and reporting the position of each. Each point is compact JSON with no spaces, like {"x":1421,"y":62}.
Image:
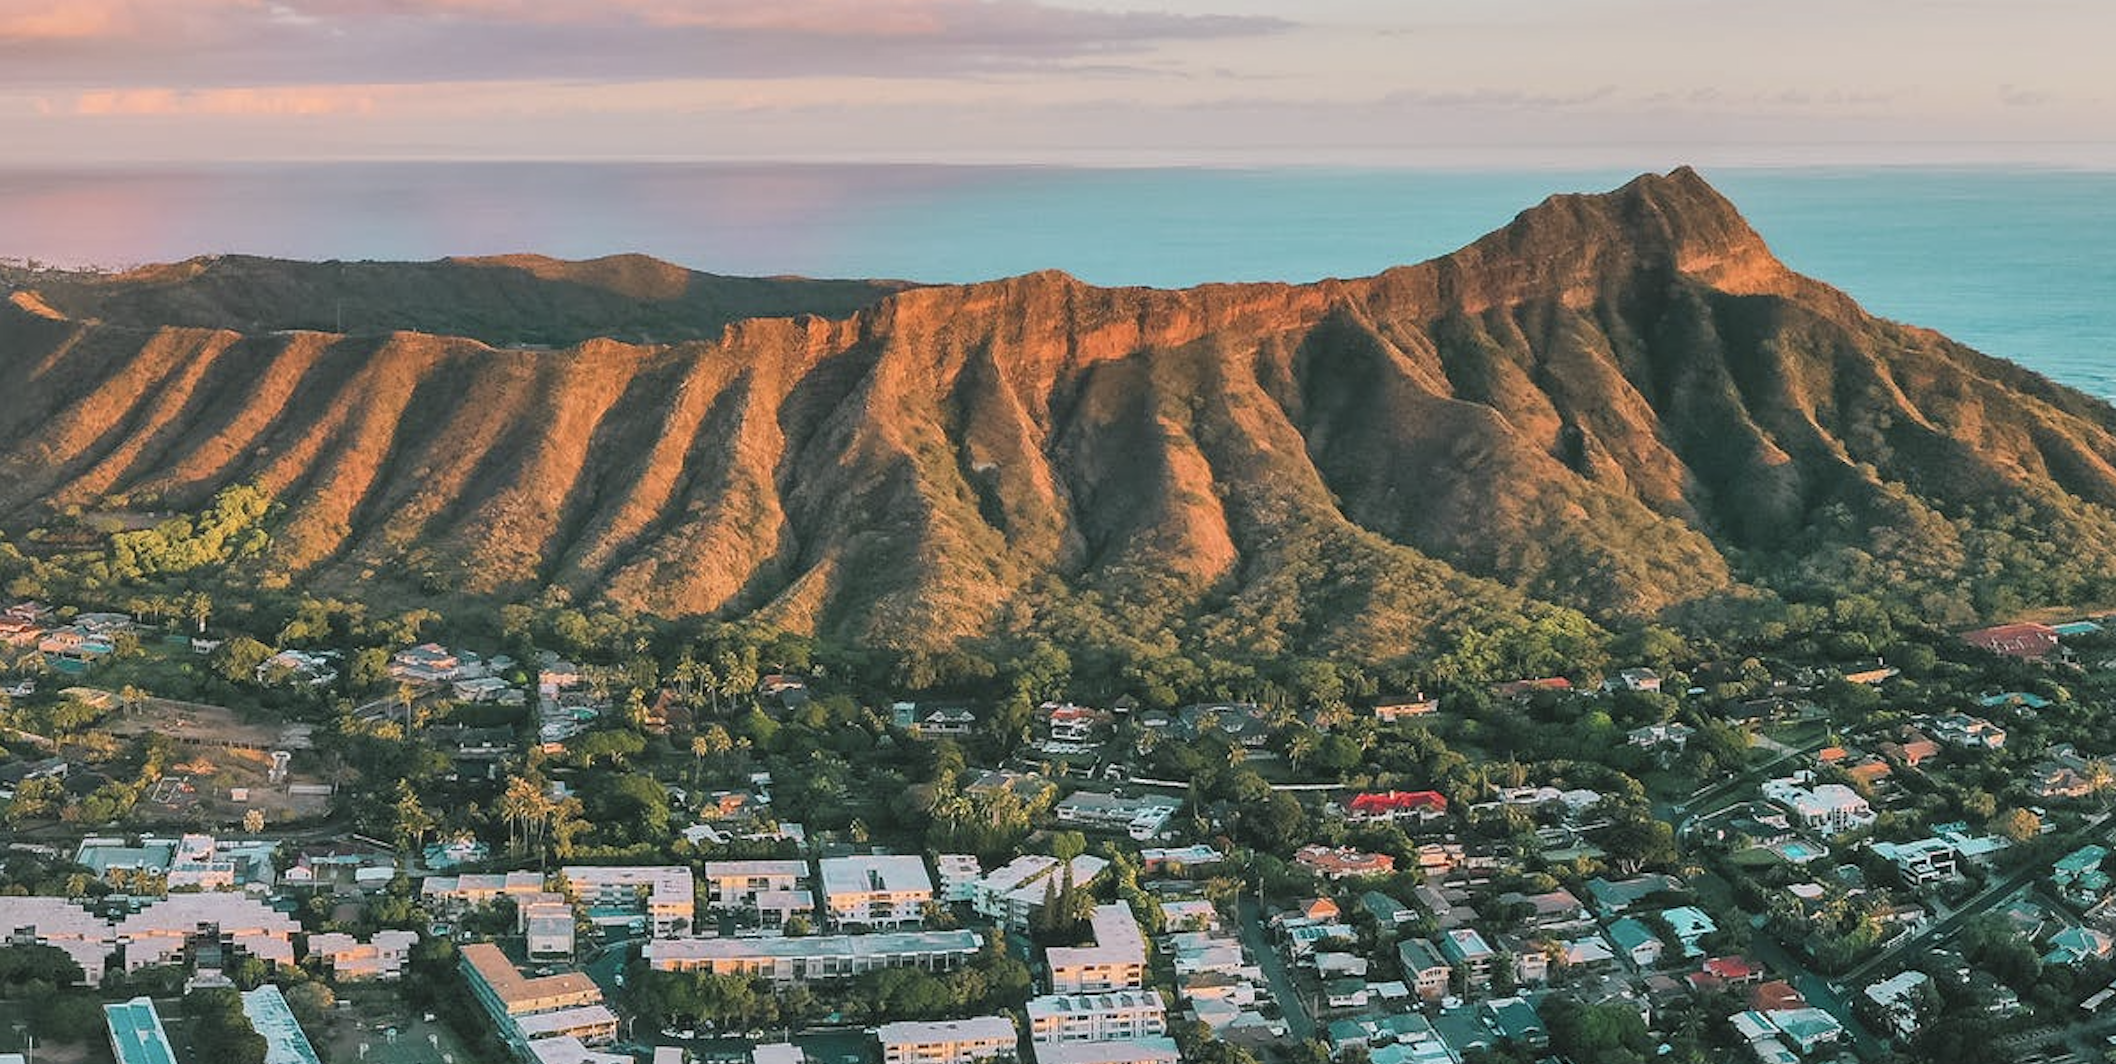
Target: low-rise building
{"x":876,"y":890}
{"x":525,"y":1010}
{"x":664,"y":895}
{"x":136,"y":1033}
{"x":1012,"y":894}
{"x":1143,"y":817}
{"x":285,"y":1042}
{"x":1116,"y":961}
{"x":383,"y":956}
{"x":736,"y":884}
{"x":1343,"y":862}
{"x":1096,"y":1017}
{"x":947,"y":1041}
{"x":1921,"y":863}
{"x":786,"y":961}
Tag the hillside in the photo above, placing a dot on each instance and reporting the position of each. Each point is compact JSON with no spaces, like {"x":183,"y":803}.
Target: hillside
{"x":1618,"y":403}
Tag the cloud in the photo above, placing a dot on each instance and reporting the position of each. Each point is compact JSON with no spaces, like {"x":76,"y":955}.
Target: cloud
{"x":283,"y":101}
{"x":108,"y":45}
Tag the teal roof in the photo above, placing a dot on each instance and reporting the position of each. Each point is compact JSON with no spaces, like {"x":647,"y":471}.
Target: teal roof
{"x":136,"y":1033}
{"x":1629,"y":934}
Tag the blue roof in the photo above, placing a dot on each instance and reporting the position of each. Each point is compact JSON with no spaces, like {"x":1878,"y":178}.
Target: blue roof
{"x":136,"y":1033}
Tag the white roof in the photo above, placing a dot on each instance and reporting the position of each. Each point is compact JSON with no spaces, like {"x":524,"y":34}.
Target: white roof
{"x":978,"y":1029}
{"x":1129,"y":1051}
{"x":871,"y":873}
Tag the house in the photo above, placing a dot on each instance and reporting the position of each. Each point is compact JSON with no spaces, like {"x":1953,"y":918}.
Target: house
{"x":1911,"y":748}
{"x":1691,"y":925}
{"x":1386,"y":911}
{"x":295,"y":667}
{"x":935,"y":720}
{"x":1549,"y":910}
{"x":1613,"y":897}
{"x":1514,"y":1020}
{"x":1344,"y":861}
{"x":1897,"y":1001}
{"x":1674,"y":736}
{"x":1465,"y":949}
{"x":1427,"y":972}
{"x":1144,"y":817}
{"x":2028,"y":641}
{"x":1636,"y":943}
{"x":1827,"y":809}
{"x":1392,"y":709}
{"x":1973,"y":733}
{"x":1876,"y":673}
{"x":1395,"y":805}
{"x":1921,"y":863}
{"x":1639,"y":680}
{"x":1321,"y":910}
{"x":1180,"y":861}
{"x":2078,"y":875}
{"x":2076,"y":945}
{"x":1242,"y":722}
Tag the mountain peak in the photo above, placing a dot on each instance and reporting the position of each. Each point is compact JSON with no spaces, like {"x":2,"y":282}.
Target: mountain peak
{"x":1571,"y":244}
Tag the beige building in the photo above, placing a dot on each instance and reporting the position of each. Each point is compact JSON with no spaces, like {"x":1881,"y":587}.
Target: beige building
{"x":381,"y":957}
{"x":1117,"y":960}
{"x":786,"y":961}
{"x":947,"y":1041}
{"x":736,"y":884}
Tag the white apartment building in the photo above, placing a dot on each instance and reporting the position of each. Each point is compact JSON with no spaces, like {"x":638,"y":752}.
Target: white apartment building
{"x":1011,"y":893}
{"x":664,"y":894}
{"x":947,"y":1041}
{"x":1117,"y":960}
{"x":1123,"y":1014}
{"x":736,"y":884}
{"x":877,"y":890}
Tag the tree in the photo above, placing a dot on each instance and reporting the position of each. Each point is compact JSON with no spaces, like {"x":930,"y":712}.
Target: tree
{"x":237,"y":659}
{"x":2019,"y":825}
{"x":311,"y":1003}
{"x":413,"y":819}
{"x":253,"y":821}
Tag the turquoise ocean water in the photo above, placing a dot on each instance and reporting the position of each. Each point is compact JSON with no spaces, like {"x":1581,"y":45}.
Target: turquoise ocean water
{"x":2020,"y":264}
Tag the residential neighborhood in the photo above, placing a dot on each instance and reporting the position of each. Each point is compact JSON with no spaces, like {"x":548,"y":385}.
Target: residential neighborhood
{"x":1782,"y":862}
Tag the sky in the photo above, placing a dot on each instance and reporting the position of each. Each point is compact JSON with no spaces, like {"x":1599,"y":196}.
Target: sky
{"x":1096,"y":82}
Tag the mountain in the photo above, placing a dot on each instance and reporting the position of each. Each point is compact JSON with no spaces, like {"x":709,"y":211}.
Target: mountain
{"x":1619,"y":403}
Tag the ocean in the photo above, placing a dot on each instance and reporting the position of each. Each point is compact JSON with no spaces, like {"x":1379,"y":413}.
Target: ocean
{"x":2017,"y":263}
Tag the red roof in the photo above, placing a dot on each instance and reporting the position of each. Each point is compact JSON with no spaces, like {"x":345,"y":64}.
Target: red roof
{"x":1776,"y":994}
{"x":2024,"y":640}
{"x":1733,"y":969}
{"x":1398,"y":802}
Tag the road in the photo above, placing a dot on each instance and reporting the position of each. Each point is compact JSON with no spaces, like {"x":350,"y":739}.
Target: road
{"x":1818,"y":993}
{"x":1249,"y":921}
{"x":1983,"y":902}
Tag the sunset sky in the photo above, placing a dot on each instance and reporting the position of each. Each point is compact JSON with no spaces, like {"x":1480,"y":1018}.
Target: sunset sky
{"x":1535,"y":82}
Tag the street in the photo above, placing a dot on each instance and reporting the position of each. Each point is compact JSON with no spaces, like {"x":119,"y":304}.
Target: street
{"x":1250,"y":925}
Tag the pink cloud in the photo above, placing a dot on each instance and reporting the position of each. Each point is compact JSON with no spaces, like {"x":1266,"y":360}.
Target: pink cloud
{"x":282,"y":101}
{"x":119,"y":44}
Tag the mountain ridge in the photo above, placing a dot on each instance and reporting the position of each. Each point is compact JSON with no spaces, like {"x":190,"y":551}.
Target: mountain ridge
{"x":1617,"y":403}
